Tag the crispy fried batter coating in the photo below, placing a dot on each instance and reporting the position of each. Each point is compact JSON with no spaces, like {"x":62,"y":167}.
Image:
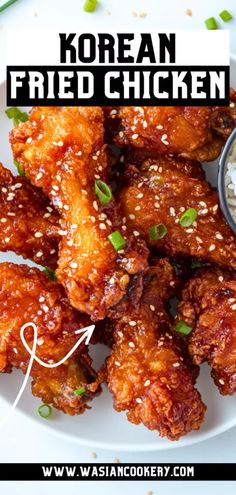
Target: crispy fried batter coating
{"x":28,"y":224}
{"x":209,"y":305}
{"x":160,"y":193}
{"x":192,"y":132}
{"x":149,"y":372}
{"x":28,"y":295}
{"x":61,"y":149}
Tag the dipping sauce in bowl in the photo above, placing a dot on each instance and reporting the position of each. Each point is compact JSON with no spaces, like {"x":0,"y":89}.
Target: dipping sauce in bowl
{"x":227,"y":181}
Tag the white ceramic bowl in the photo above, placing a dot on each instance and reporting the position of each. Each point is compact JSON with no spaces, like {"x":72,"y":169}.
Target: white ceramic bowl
{"x":102,"y":427}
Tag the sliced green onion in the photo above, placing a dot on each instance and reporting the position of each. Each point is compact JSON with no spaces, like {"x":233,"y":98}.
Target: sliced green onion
{"x":157,"y":232}
{"x":50,"y":273}
{"x":225,"y":16}
{"x":16,"y":114}
{"x":211,"y":23}
{"x":183,"y":328}
{"x":103,"y":192}
{"x":80,"y":391}
{"x":90,"y":5}
{"x":116,"y":240}
{"x":6,"y":5}
{"x":188,"y":217}
{"x":19,"y":169}
{"x":197,"y":264}
{"x":45,"y":411}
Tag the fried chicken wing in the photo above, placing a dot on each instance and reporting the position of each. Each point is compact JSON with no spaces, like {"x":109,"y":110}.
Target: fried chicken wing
{"x":160,"y":193}
{"x":62,"y":151}
{"x":192,"y":132}
{"x":209,"y":305}
{"x":149,"y":371}
{"x":29,"y":226}
{"x":29,"y":296}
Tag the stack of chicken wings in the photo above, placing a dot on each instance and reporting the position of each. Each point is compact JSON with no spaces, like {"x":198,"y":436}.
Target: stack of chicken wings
{"x":101,"y":204}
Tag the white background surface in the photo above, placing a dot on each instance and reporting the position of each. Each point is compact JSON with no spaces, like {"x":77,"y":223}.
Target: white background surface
{"x":23,"y":440}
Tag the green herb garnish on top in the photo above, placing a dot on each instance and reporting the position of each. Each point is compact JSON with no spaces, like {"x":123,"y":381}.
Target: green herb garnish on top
{"x":17,"y":115}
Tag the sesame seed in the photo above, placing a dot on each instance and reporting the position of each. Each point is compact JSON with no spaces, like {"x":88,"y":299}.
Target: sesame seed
{"x":15,"y":350}
{"x":62,"y":232}
{"x":3,"y":220}
{"x":137,"y":208}
{"x":139,"y":196}
{"x":38,"y":234}
{"x":203,"y":212}
{"x":73,"y":264}
{"x":39,"y":176}
{"x":40,"y":341}
{"x":189,"y":231}
{"x":56,"y":188}
{"x":138,"y":400}
{"x":135,"y":136}
{"x":152,"y":308}
{"x":233,"y":307}
{"x":136,"y":233}
{"x":145,"y":124}
{"x":221,"y":381}
{"x":45,"y":308}
{"x":157,"y":205}
{"x":39,"y":254}
{"x":29,"y":140}
{"x":131,"y":344}
{"x":95,"y":205}
{"x":121,"y":134}
{"x":132,"y":323}
{"x":212,"y":247}
{"x":159,"y":127}
{"x":176,"y":365}
{"x":220,"y":278}
{"x":18,"y":185}
{"x":219,"y":236}
{"x":146,"y":383}
{"x":132,"y":216}
{"x":70,"y":243}
{"x":117,"y":363}
{"x":102,"y":226}
{"x":41,"y":299}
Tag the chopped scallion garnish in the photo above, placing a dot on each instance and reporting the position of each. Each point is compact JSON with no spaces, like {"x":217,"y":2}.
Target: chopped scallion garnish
{"x":157,"y":232}
{"x":183,"y":328}
{"x":45,"y":411}
{"x":225,"y":15}
{"x":188,"y":217}
{"x":6,"y":5}
{"x":103,"y":192}
{"x":211,"y":23}
{"x":50,"y":273}
{"x":117,"y":240}
{"x":20,"y":170}
{"x":16,"y":114}
{"x":80,"y":391}
{"x":90,"y":5}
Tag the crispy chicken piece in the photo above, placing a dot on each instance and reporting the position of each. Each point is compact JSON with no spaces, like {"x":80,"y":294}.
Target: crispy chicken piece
{"x":192,"y":132}
{"x":61,"y":149}
{"x":28,"y":295}
{"x":149,"y":371}
{"x":160,"y":193}
{"x":29,"y":226}
{"x":209,"y":305}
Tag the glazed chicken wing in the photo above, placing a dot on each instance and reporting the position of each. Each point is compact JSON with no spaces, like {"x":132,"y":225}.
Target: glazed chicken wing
{"x":27,"y":295}
{"x":149,"y":372}
{"x":28,"y":225}
{"x":192,"y":132}
{"x":209,"y":305}
{"x":61,"y":150}
{"x":160,"y":193}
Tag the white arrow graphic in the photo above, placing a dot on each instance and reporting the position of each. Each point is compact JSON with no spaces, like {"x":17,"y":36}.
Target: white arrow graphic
{"x":86,"y":332}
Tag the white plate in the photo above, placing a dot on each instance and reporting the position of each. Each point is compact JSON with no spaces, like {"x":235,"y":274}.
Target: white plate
{"x":102,"y":427}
